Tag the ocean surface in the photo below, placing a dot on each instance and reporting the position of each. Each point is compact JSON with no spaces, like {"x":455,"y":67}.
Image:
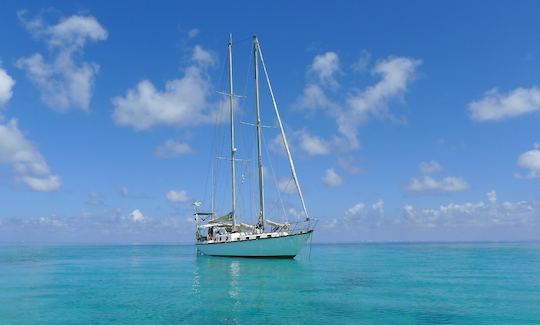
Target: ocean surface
{"x":327,"y":284}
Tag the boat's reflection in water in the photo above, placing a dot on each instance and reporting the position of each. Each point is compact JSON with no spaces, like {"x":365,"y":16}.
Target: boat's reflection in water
{"x":225,"y":284}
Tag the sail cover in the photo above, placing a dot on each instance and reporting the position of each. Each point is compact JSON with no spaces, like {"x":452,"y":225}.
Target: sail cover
{"x":217,"y":225}
{"x":225,"y":218}
{"x":244,"y":227}
{"x":284,"y":226}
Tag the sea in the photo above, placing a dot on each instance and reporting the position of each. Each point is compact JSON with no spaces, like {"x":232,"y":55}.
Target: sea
{"x":397,"y":283}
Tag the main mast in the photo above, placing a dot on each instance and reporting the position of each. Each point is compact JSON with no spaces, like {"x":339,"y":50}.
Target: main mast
{"x":233,"y":147}
{"x":260,"y":222}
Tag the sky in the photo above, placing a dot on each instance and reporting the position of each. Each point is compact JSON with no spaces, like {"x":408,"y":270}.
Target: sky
{"x":411,"y":121}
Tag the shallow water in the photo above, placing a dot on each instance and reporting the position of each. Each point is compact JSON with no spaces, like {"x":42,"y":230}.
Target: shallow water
{"x":335,"y":284}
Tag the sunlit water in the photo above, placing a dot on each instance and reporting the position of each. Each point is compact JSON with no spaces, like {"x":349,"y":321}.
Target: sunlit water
{"x":336,"y":284}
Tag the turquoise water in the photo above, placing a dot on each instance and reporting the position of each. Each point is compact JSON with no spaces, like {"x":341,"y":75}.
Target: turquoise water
{"x":338,"y":284}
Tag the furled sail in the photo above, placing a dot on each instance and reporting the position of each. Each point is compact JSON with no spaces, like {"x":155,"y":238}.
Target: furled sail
{"x":284,"y":226}
{"x":244,"y":227}
{"x":225,"y":218}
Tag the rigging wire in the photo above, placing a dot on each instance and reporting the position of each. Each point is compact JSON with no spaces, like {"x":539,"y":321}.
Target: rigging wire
{"x":274,"y":178}
{"x":210,"y":168}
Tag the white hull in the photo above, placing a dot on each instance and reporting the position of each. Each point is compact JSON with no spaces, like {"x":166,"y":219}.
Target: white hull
{"x":280,"y":247}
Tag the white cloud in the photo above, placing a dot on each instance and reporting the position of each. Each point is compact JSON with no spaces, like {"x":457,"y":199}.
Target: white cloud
{"x":325,"y":66}
{"x":295,"y":213}
{"x":356,"y":209}
{"x":378,"y":207}
{"x":331,"y":224}
{"x":460,"y":217}
{"x":63,"y":82}
{"x":474,"y":213}
{"x":202,"y":56}
{"x":303,"y":140}
{"x":492,"y":197}
{"x":313,"y":144}
{"x":51,"y":221}
{"x":428,"y":184}
{"x":172,"y":148}
{"x":137,"y":216}
{"x":430,"y":167}
{"x":360,"y":212}
{"x":495,"y":106}
{"x":177,"y":196}
{"x":349,"y":164}
{"x":194,"y":33}
{"x":276,"y":144}
{"x":6,"y":86}
{"x":45,"y":183}
{"x":314,"y":98}
{"x":409,"y":210}
{"x":286,"y":185}
{"x":26,"y":160}
{"x":331,"y":178}
{"x":530,"y":160}
{"x":396,"y":75}
{"x":362,"y":63}
{"x":183,"y":102}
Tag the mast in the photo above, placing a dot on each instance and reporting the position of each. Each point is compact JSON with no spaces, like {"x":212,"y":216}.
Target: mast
{"x":260,"y":222}
{"x":233,"y":147}
{"x":285,"y":142}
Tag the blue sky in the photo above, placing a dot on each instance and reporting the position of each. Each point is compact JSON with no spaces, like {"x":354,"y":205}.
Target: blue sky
{"x":408,"y":122}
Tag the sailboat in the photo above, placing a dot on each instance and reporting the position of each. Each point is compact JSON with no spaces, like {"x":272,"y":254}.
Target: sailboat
{"x":225,"y":235}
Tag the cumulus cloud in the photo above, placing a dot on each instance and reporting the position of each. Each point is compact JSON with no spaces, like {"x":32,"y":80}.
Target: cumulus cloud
{"x":202,"y":56}
{"x":172,"y":148}
{"x":356,"y":209}
{"x":450,"y":218}
{"x":325,"y":66}
{"x":137,"y":216}
{"x":28,"y":163}
{"x":314,"y":98}
{"x":64,"y":82}
{"x":362,"y":212}
{"x":492,"y":197}
{"x":305,"y":141}
{"x":428,"y":184}
{"x":482,"y":213}
{"x":530,"y":160}
{"x":395,"y":73}
{"x":430,"y":167}
{"x":331,"y":178}
{"x":312,"y":144}
{"x":6,"y":86}
{"x":183,"y":102}
{"x":177,"y":196}
{"x":378,"y":207}
{"x":496,"y":106}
